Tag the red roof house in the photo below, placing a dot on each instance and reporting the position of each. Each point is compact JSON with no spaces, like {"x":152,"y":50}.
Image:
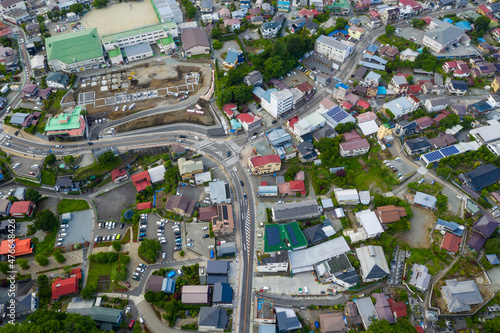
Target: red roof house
{"x":298,"y":186}
{"x":205,"y":214}
{"x":348,"y":106}
{"x":424,"y":122}
{"x":21,"y":247}
{"x":427,"y":19}
{"x":397,"y":308}
{"x":440,"y":117}
{"x":258,"y":161}
{"x":21,"y":208}
{"x":309,"y":13}
{"x":118,"y":175}
{"x":415,"y":89}
{"x":141,"y":180}
{"x":363,"y":104}
{"x":293,"y":121}
{"x":419,"y":329}
{"x":65,"y":287}
{"x":451,"y":242}
{"x":229,"y":110}
{"x":144,"y":205}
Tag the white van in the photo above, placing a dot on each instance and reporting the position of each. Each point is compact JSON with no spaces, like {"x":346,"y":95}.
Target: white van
{"x":164,"y":256}
{"x":17,"y":165}
{"x":63,"y":235}
{"x":306,"y":290}
{"x":264,"y":288}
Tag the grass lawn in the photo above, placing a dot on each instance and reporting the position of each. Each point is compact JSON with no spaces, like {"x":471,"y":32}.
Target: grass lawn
{"x":46,"y":246}
{"x":97,"y":270}
{"x":48,"y":177}
{"x":70,"y":205}
{"x":96,"y":169}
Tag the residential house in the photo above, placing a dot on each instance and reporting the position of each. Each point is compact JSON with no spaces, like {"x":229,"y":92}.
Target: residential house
{"x":347,"y":197}
{"x":264,"y":164}
{"x":459,"y":296}
{"x":484,"y":227}
{"x":389,"y":14}
{"x":417,"y":146}
{"x":367,"y":311}
{"x":372,"y":262}
{"x":495,"y":84}
{"x":494,"y":101}
{"x":66,"y":287}
{"x":436,"y":104}
{"x":479,"y":108}
{"x":181,"y":205}
{"x":307,"y":152}
{"x":254,"y":78}
{"x":481,"y":177}
{"x":206,"y":6}
{"x":408,"y":55}
{"x":356,"y":32}
{"x":306,"y":89}
{"x":195,"y":42}
{"x":224,"y":13}
{"x":399,"y":84}
{"x":459,"y":109}
{"x":20,"y":247}
{"x":223,"y":222}
{"x":332,"y":322}
{"x":420,"y":277}
{"x":451,"y":243}
{"x":188,"y":168}
{"x":249,"y":121}
{"x":399,"y":107}
{"x":370,"y":223}
{"x":223,"y":294}
{"x":22,"y":209}
{"x":232,"y":23}
{"x":390,"y":214}
{"x":270,"y":29}
{"x":219,"y":192}
{"x":424,"y":122}
{"x":66,"y":184}
{"x":287,"y":320}
{"x":458,"y":88}
{"x":20,"y":306}
{"x":199,"y":294}
{"x":424,"y":200}
{"x":354,"y":147}
{"x":212,"y":319}
{"x":107,"y":319}
{"x":383,"y":308}
{"x":57,"y":80}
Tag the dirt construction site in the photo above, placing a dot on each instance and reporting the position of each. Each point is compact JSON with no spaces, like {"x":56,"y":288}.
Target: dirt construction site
{"x":149,"y":85}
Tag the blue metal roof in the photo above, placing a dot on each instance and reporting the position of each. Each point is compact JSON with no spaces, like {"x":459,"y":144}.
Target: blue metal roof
{"x":258,"y":92}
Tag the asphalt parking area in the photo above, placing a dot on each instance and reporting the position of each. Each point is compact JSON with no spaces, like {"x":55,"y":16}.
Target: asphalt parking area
{"x":286,"y":286}
{"x":110,"y":205}
{"x":402,"y":167}
{"x":200,"y":245}
{"x":80,"y":227}
{"x":117,"y":230}
{"x":192,"y":192}
{"x":152,"y":232}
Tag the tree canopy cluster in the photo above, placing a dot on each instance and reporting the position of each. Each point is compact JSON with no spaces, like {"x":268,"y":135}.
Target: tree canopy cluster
{"x":149,"y":249}
{"x":52,"y":321}
{"x":45,"y":220}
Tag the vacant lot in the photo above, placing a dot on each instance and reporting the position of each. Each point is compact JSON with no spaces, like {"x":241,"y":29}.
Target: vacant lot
{"x":418,"y":235}
{"x":69,"y":205}
{"x":120,"y":17}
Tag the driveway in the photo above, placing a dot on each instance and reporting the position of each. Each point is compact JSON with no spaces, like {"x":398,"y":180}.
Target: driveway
{"x":421,"y":221}
{"x":226,"y":46}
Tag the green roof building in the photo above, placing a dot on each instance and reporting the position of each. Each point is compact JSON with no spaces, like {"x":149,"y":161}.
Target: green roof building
{"x":75,"y":52}
{"x":116,"y":56}
{"x":167,"y":44}
{"x":67,"y":125}
{"x":106,"y":318}
{"x":278,"y":237}
{"x":148,"y":34}
{"x":341,"y":7}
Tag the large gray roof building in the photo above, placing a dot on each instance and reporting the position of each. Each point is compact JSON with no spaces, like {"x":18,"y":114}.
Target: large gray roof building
{"x":295,"y":211}
{"x":442,"y":36}
{"x":459,"y":296}
{"x":372,"y":261}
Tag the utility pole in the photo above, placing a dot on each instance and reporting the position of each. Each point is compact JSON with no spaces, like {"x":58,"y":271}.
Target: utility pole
{"x":83,"y":259}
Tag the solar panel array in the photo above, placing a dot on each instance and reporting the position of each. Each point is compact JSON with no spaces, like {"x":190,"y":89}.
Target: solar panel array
{"x":448,"y":151}
{"x":273,"y":236}
{"x":337,"y":114}
{"x":434,"y":156}
{"x":291,"y":234}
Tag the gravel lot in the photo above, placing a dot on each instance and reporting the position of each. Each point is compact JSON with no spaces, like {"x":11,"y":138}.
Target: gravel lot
{"x":421,"y":221}
{"x":110,"y":205}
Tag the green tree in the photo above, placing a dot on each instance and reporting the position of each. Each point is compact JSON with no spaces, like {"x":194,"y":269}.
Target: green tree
{"x":45,"y":220}
{"x":182,"y":253}
{"x":149,"y":249}
{"x":121,"y":272}
{"x":53,"y":321}
{"x":482,"y":23}
{"x":23,"y":263}
{"x":116,"y":245}
{"x":76,"y":8}
{"x":69,"y":159}
{"x":50,"y":159}
{"x":403,"y":325}
{"x":100,"y":3}
{"x":41,"y":260}
{"x":149,"y":296}
{"x":216,"y":33}
{"x":390,"y":30}
{"x":442,"y":202}
{"x":409,"y":79}
{"x":58,"y":256}
{"x":217,"y":44}
{"x":33,"y":195}
{"x":44,"y":290}
{"x":4,"y":267}
{"x":492,"y":325}
{"x":89,"y":291}
{"x":107,"y":158}
{"x":492,"y":246}
{"x":294,"y":45}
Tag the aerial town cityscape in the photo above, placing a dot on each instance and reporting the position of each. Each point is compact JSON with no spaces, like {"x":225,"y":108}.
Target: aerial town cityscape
{"x":250,"y":166}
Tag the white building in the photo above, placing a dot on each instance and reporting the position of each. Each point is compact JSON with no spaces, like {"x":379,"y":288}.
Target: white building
{"x":372,"y":262}
{"x":436,"y":104}
{"x":370,"y":223}
{"x":149,"y":34}
{"x":277,"y":102}
{"x":167,"y":10}
{"x":487,"y":134}
{"x":332,"y":48}
{"x":276,"y":262}
{"x":10,"y":5}
{"x":347,"y":197}
{"x":409,"y":55}
{"x":399,"y":106}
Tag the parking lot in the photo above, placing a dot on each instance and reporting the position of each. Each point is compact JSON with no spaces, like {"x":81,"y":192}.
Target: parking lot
{"x":106,"y":232}
{"x":110,"y":205}
{"x":152,"y":230}
{"x":290,"y":286}
{"x":201,"y":245}
{"x":79,"y":227}
{"x":318,"y":61}
{"x":403,"y":167}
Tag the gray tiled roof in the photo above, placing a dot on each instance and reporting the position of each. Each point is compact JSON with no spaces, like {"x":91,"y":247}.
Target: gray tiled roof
{"x":461,"y":295}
